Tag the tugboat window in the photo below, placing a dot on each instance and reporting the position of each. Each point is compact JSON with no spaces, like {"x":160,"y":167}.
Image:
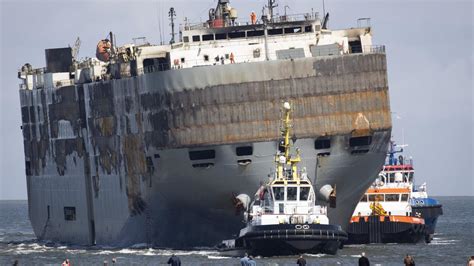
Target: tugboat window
{"x":70,"y":213}
{"x":304,"y":193}
{"x":364,"y":198}
{"x":279,"y":193}
{"x":404,"y":197}
{"x":392,"y":197}
{"x":291,"y":193}
{"x":376,"y":197}
{"x":196,"y":38}
{"x":186,"y":39}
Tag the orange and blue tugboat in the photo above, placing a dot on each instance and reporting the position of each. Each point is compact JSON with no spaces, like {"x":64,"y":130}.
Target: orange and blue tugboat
{"x":393,"y":210}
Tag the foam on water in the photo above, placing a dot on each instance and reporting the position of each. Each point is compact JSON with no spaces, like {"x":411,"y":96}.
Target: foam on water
{"x":449,"y":246}
{"x":217,"y":257}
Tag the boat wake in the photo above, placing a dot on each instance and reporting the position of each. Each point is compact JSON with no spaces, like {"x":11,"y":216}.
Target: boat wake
{"x":443,"y":241}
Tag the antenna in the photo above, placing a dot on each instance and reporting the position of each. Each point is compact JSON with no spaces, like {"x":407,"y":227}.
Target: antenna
{"x":159,"y":22}
{"x":324,"y":9}
{"x":286,"y":7}
{"x":271,"y":6}
{"x":75,"y":49}
{"x":172,"y":14}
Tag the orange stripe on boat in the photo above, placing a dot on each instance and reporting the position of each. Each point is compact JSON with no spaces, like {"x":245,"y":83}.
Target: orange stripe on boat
{"x":388,"y":190}
{"x":393,"y":218}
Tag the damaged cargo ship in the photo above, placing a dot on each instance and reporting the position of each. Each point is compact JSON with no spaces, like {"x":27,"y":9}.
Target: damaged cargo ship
{"x":134,"y":147}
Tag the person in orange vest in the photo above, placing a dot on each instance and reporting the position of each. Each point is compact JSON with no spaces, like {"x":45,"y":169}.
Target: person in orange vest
{"x":232,"y":61}
{"x":253,"y":18}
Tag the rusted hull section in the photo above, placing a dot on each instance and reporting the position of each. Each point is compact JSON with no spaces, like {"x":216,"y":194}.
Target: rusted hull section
{"x":118,"y":151}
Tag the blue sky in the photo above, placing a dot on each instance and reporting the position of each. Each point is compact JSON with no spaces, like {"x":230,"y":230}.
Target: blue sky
{"x":429,"y":52}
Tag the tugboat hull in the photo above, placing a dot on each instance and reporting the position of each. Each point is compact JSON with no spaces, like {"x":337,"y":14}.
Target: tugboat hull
{"x":430,"y":213}
{"x":291,"y":239}
{"x":382,"y":229}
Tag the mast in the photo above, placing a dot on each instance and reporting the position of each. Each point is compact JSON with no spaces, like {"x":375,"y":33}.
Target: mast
{"x":172,"y":14}
{"x":287,"y":161}
{"x":271,"y":6}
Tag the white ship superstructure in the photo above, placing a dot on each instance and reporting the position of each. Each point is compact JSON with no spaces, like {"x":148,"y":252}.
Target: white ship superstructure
{"x":125,"y":150}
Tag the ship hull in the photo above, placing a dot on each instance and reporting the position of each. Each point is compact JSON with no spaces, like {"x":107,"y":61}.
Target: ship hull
{"x":430,"y":214}
{"x":375,"y":230}
{"x":109,"y":163}
{"x":291,"y":239}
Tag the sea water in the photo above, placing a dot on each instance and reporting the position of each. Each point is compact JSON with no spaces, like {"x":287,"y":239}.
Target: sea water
{"x":452,"y":245}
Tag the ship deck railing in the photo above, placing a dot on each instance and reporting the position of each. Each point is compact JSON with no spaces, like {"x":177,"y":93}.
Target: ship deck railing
{"x":247,"y":22}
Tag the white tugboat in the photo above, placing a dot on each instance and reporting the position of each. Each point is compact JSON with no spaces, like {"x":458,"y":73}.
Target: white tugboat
{"x":283,"y":218}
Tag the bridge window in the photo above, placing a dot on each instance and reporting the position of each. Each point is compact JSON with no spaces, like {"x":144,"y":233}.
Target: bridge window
{"x":355,"y":47}
{"x":360,"y":141}
{"x":376,"y":197}
{"x":304,"y":193}
{"x":255,"y":33}
{"x":185,"y":39}
{"x":70,"y":213}
{"x":202,"y":155}
{"x":206,"y":58}
{"x":279,"y":193}
{"x":392,"y":197}
{"x":291,"y":193}
{"x":364,"y":198}
{"x":322,"y":143}
{"x":235,"y":35}
{"x":292,"y":30}
{"x":221,"y":36}
{"x":243,"y":151}
{"x":208,"y":37}
{"x":308,"y":29}
{"x":404,"y":197}
{"x":275,"y":31}
{"x":196,"y":38}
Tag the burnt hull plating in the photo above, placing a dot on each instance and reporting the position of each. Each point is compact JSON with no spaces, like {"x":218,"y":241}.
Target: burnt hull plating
{"x":108,"y":163}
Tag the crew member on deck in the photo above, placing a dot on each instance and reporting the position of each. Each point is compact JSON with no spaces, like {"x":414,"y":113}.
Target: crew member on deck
{"x":253,"y":18}
{"x":232,"y":61}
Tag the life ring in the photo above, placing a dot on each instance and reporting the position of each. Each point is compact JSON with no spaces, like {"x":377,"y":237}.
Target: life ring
{"x":298,"y":227}
{"x":306,"y":227}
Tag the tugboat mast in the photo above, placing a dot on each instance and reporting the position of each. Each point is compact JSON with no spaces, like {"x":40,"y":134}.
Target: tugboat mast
{"x":286,"y":163}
